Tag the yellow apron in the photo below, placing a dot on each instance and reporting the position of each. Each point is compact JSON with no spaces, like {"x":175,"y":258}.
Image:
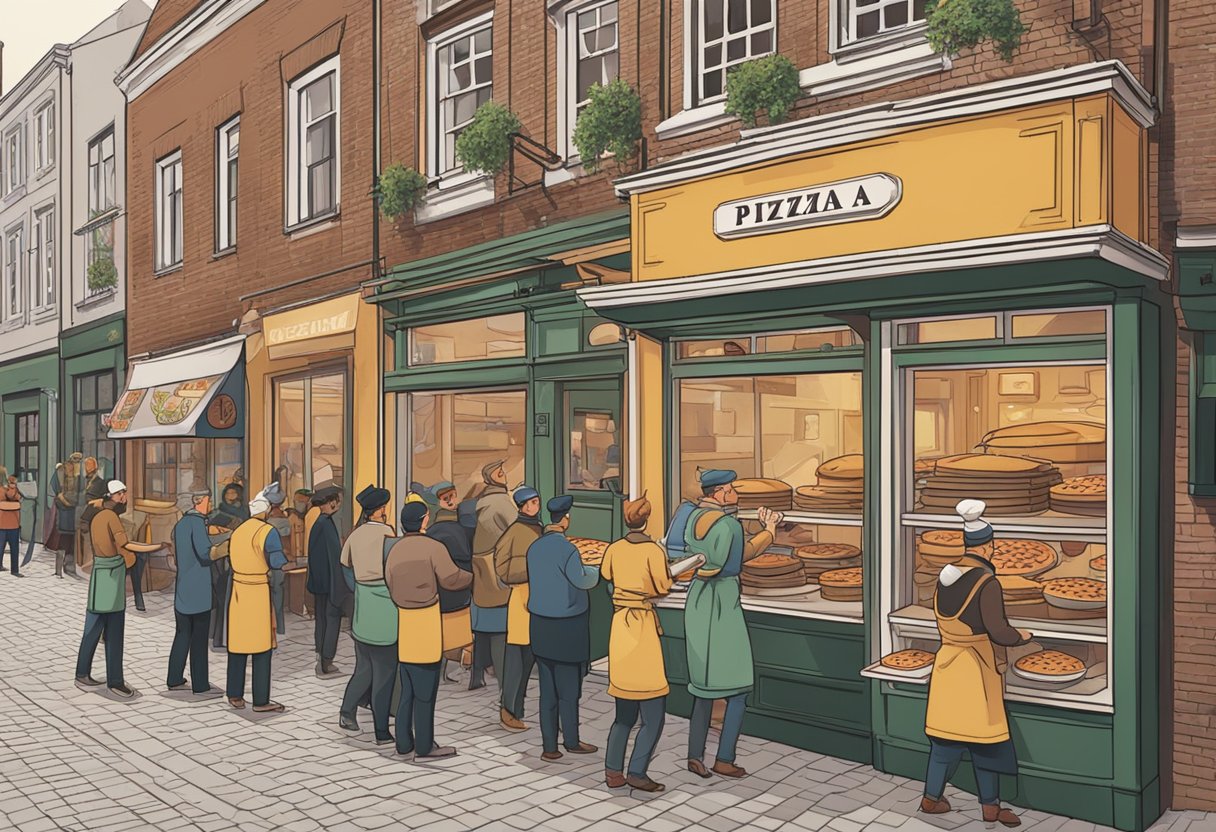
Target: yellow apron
{"x":420,"y":635}
{"x":251,"y":626}
{"x":966,"y":690}
{"x":519,"y":620}
{"x":635,"y":655}
{"x":457,"y":629}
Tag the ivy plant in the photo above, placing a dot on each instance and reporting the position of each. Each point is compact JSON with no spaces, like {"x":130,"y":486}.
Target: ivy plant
{"x":610,"y":123}
{"x":401,"y":190}
{"x":955,"y":25}
{"x":485,"y":145}
{"x":102,"y":274}
{"x":766,"y":85}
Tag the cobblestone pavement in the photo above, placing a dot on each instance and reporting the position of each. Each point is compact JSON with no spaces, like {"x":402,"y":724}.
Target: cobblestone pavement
{"x":76,"y":760}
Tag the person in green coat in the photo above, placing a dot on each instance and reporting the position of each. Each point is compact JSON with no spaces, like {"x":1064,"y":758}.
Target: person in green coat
{"x":716,"y":640}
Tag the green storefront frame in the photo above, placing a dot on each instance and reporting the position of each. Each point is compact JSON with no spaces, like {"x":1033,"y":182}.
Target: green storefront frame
{"x":1102,"y":767}
{"x":95,"y":348}
{"x":28,"y":386}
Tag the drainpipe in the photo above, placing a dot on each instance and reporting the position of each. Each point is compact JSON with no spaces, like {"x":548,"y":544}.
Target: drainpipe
{"x":379,"y":340}
{"x":1161,"y":28}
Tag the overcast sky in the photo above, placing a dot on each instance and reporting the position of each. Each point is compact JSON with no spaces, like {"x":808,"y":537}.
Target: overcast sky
{"x":29,"y":28}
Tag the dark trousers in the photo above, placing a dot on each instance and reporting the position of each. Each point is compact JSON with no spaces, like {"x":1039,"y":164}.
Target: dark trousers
{"x":374,"y":676}
{"x":416,"y":710}
{"x":219,"y":591}
{"x":732,"y":726}
{"x":190,"y":641}
{"x":488,"y":651}
{"x":10,"y":539}
{"x":561,"y":687}
{"x":136,"y":574}
{"x":518,"y":662}
{"x":278,"y":587}
{"x":113,"y":624}
{"x":988,"y":762}
{"x":653,"y":713}
{"x":261,"y":676}
{"x":327,"y":624}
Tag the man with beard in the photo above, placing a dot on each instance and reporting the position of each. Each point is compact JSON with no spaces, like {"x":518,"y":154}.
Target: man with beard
{"x":325,"y":580}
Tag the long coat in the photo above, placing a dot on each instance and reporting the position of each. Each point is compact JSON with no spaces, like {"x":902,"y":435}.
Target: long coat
{"x":324,"y":562}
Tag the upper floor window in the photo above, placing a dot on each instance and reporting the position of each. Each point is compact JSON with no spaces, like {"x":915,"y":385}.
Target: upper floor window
{"x":169,"y":211}
{"x":44,"y":137}
{"x":312,"y":144}
{"x":43,"y":251}
{"x":14,"y":175}
{"x":13,"y":251}
{"x":727,"y":33}
{"x":863,"y":19}
{"x":101,"y":173}
{"x":228,"y":142}
{"x":461,"y":81}
{"x":593,"y":50}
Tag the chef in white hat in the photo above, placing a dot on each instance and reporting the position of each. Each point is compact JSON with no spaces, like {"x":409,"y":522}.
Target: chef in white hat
{"x":967,"y":690}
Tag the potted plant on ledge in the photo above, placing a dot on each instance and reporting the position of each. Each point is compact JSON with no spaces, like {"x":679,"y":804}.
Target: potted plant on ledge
{"x":765,"y":86}
{"x":400,"y":191}
{"x":102,"y":274}
{"x":485,"y":145}
{"x":610,"y":124}
{"x":955,"y":25}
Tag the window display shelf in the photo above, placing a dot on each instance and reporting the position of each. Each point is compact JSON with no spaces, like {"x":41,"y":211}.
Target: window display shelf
{"x":805,"y":518}
{"x":918,"y":622}
{"x":1089,"y":694}
{"x":1049,"y":524}
{"x":802,"y":606}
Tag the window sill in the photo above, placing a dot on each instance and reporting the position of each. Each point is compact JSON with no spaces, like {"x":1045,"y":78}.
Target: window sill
{"x":13,"y":323}
{"x":460,"y":195}
{"x":41,"y":316}
{"x":168,"y":270}
{"x":693,"y":120}
{"x":883,"y":64}
{"x":312,"y":226}
{"x":41,"y":173}
{"x":109,"y":215}
{"x":97,"y":299}
{"x":224,"y":252}
{"x":15,"y":194}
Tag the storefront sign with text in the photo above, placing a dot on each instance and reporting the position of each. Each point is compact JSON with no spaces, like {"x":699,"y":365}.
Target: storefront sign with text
{"x":309,"y":329}
{"x":849,"y":200}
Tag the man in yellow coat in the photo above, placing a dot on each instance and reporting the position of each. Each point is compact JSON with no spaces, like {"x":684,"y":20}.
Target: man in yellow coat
{"x":254,"y":549}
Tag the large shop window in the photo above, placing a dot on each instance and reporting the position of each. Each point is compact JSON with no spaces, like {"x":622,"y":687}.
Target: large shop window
{"x":26,"y":447}
{"x":313,"y":144}
{"x":728,"y":33}
{"x":475,"y":339}
{"x":796,"y":442}
{"x":94,"y":402}
{"x":1021,"y":425}
{"x":173,"y":467}
{"x":453,"y":435}
{"x":310,"y":429}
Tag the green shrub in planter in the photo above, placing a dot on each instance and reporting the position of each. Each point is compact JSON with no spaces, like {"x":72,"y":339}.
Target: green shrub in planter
{"x":955,"y":25}
{"x":610,"y":123}
{"x":766,"y":85}
{"x":485,"y":145}
{"x":401,"y":190}
{"x":102,"y":274}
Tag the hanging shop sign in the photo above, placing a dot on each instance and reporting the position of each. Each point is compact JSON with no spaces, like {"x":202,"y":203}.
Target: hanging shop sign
{"x":849,"y":200}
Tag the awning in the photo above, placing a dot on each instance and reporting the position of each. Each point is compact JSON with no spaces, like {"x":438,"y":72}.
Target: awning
{"x":169,"y":395}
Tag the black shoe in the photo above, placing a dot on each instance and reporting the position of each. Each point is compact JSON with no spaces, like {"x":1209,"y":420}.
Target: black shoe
{"x":387,"y":739}
{"x":348,"y":723}
{"x":18,"y":574}
{"x":182,"y":685}
{"x":87,"y":682}
{"x":122,"y":691}
{"x":141,"y":608}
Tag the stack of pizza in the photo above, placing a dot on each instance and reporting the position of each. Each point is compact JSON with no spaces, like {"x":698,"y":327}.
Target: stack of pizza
{"x":772,"y":571}
{"x":840,"y":487}
{"x":764,"y":493}
{"x":940,"y":547}
{"x":1080,"y":495}
{"x":590,"y":551}
{"x":1059,"y":442}
{"x":818,"y":558}
{"x":1019,"y":591}
{"x":1008,"y":485}
{"x":841,"y":584}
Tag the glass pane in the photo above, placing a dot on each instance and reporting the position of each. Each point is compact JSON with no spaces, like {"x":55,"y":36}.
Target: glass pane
{"x":822,"y":340}
{"x":1092,"y":322}
{"x":589,"y":70}
{"x":736,"y":16}
{"x":227,"y":465}
{"x":955,"y":329}
{"x":918,"y":9}
{"x":867,"y":24}
{"x":319,"y":142}
{"x":321,"y":196}
{"x":453,"y":435}
{"x":461,"y":77}
{"x":328,"y":429}
{"x":501,"y":336}
{"x":707,"y":349}
{"x":289,"y":434}
{"x":608,"y":12}
{"x":806,"y":421}
{"x":762,"y":43}
{"x":711,"y":84}
{"x":736,"y":49}
{"x":713,"y":55}
{"x":762,"y":12}
{"x":88,"y":393}
{"x":318,"y":98}
{"x":463,"y":108}
{"x":717,"y":428}
{"x":611,"y":66}
{"x":484,"y":70}
{"x":895,"y":15}
{"x":595,"y":449}
{"x":482,"y":40}
{"x":105,"y":392}
{"x":713,"y":20}
{"x":460,"y":50}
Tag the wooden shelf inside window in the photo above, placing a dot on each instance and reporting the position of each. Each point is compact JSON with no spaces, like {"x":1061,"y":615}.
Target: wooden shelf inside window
{"x":808,"y":519}
{"x":1050,"y":524}
{"x":808,"y":606}
{"x":918,"y":622}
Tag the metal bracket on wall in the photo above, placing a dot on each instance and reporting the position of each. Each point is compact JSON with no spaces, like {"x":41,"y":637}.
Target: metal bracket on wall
{"x":534,"y":152}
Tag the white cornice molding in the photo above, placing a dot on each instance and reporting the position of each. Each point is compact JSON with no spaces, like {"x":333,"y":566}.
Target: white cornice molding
{"x":207,"y":22}
{"x":1100,"y":241}
{"x":766,"y":144}
{"x":1197,"y":236}
{"x":57,"y":56}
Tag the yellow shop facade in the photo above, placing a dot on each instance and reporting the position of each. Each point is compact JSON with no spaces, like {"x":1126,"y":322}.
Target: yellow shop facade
{"x":851,"y":310}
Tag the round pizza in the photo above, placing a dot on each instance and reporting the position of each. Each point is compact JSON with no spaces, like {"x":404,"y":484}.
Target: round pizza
{"x":773,"y":564}
{"x":1081,"y":488}
{"x":1050,"y":663}
{"x":847,"y":467}
{"x":1022,"y":557}
{"x":848,"y":577}
{"x":908,"y":660}
{"x":827,"y":551}
{"x":1088,"y":590}
{"x":1098,"y":564}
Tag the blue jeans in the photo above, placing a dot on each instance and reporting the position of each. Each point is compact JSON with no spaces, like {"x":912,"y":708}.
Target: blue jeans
{"x":732,"y":726}
{"x":653,"y":713}
{"x":11,"y":540}
{"x":114,"y":623}
{"x":944,"y":760}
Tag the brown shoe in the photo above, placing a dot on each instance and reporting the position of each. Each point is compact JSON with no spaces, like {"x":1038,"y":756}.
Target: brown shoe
{"x":582,"y":748}
{"x":510,"y":722}
{"x":614,"y":779}
{"x":997,"y":814}
{"x":550,"y":756}
{"x":270,"y":708}
{"x":934,"y":807}
{"x":237,"y":703}
{"x":644,"y":784}
{"x":698,"y":768}
{"x":728,"y":769}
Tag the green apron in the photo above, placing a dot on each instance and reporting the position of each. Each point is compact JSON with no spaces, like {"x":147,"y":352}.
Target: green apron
{"x":375,"y":619}
{"x":108,"y":585}
{"x":717,"y":646}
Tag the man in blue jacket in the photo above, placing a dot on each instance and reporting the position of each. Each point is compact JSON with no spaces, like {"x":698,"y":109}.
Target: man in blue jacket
{"x":560,"y":628}
{"x":192,"y":598}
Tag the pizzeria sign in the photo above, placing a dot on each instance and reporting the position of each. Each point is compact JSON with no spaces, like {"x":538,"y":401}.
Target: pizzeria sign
{"x":849,"y":200}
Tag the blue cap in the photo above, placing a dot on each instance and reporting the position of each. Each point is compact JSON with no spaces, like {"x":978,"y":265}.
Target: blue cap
{"x":442,"y":486}
{"x":523,"y":494}
{"x":372,"y":498}
{"x":715,"y":477}
{"x":559,"y":507}
{"x":412,"y":514}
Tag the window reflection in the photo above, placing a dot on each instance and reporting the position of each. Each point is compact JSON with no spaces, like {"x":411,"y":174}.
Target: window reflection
{"x":453,"y":435}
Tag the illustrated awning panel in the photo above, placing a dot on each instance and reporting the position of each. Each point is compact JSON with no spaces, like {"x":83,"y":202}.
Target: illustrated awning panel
{"x":193,"y":392}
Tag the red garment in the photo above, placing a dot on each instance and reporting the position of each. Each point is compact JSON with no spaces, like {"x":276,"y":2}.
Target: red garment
{"x":11,"y":519}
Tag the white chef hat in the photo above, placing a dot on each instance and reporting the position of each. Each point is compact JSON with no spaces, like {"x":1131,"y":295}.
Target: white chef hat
{"x":259,"y":504}
{"x":114,"y":487}
{"x":976,"y":530}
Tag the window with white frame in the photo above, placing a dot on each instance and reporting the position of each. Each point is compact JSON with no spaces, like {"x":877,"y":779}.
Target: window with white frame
{"x":859,"y":20}
{"x":592,"y":50}
{"x":101,"y":173}
{"x":313,"y":175}
{"x":13,"y":255}
{"x":728,"y":33}
{"x":228,"y":142}
{"x":43,"y":250}
{"x":44,"y":136}
{"x":169,"y":211}
{"x":14,"y":161}
{"x":463,"y":80}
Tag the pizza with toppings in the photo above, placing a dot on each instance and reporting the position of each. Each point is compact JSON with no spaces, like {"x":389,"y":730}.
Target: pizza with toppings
{"x":1050,"y":663}
{"x":827,"y":551}
{"x":908,"y":660}
{"x":1022,"y":557}
{"x":1088,"y":590}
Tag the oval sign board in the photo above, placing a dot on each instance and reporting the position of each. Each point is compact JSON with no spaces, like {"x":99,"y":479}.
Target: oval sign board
{"x":849,"y":200}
